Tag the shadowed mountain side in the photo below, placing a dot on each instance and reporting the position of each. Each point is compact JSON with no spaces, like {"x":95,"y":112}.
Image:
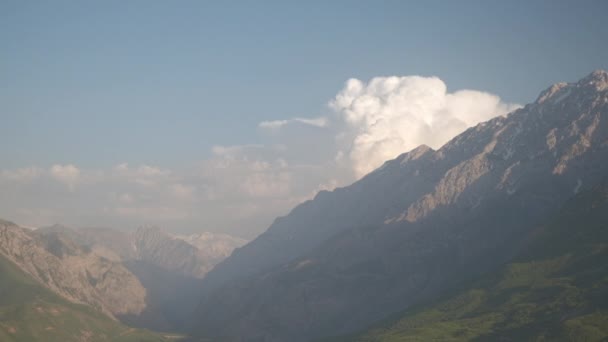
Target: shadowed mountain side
{"x":171,"y":297}
{"x":415,"y":226}
{"x":555,"y":289}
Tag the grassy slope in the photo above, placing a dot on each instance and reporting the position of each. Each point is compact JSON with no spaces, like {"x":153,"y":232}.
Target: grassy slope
{"x":30,"y":312}
{"x":557,"y":289}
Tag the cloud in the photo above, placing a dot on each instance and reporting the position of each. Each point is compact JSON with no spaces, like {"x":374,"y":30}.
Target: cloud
{"x":241,"y":189}
{"x":67,"y":174}
{"x":126,"y":198}
{"x":181,"y":191}
{"x":121,"y":168}
{"x":248,"y":171}
{"x":150,"y":171}
{"x":23,"y":175}
{"x":267,"y":184}
{"x":152,"y":214}
{"x":391,"y":115}
{"x":276,"y":124}
{"x":143,"y":175}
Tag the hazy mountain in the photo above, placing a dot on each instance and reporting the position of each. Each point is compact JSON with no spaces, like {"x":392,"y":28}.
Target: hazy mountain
{"x":555,"y":289}
{"x":415,"y":227}
{"x":214,"y":247}
{"x":73,"y":272}
{"x":170,"y":268}
{"x":31,"y":312}
{"x":167,"y":266}
{"x":193,"y":255}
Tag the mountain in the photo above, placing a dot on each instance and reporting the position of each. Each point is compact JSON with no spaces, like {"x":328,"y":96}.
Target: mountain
{"x":71,"y":271}
{"x":192,"y":256}
{"x":31,"y":312}
{"x":213,"y":246}
{"x":167,"y":267}
{"x":413,"y":228}
{"x":556,"y":289}
{"x":171,"y":268}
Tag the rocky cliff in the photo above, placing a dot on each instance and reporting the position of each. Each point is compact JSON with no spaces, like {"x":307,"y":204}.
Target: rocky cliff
{"x":71,"y":271}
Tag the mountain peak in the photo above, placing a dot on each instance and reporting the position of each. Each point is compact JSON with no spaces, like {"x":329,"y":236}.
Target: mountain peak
{"x":475,"y":201}
{"x":414,"y":154}
{"x":551,"y":92}
{"x":597,"y":79}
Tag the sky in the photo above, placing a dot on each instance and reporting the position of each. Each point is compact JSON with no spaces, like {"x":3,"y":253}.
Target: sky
{"x":220,"y":116}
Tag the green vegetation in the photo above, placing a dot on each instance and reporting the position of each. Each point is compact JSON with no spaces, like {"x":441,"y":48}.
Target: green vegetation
{"x":556,"y":290}
{"x":30,"y":312}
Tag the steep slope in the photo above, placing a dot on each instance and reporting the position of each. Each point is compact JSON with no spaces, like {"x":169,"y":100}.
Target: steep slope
{"x":555,"y":290}
{"x":30,"y":312}
{"x":168,"y":267}
{"x":366,"y":202}
{"x":72,"y":272}
{"x":414,"y":227}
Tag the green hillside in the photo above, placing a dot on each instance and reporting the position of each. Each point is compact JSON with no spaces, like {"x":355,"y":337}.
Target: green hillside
{"x":30,"y":312}
{"x":556,"y":290}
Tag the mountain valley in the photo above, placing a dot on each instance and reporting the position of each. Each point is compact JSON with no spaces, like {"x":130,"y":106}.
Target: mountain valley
{"x":500,"y":234}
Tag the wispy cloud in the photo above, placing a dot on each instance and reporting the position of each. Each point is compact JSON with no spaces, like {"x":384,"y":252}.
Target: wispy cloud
{"x":276,"y":124}
{"x":242,"y":188}
{"x":27,"y":174}
{"x":67,"y":174}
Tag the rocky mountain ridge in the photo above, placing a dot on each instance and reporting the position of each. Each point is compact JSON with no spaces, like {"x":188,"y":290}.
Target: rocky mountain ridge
{"x":408,"y":230}
{"x":146,"y":278}
{"x":192,"y":255}
{"x":71,"y":271}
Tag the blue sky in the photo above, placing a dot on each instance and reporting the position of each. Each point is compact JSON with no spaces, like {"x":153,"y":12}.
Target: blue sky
{"x":160,"y":85}
{"x":162,"y":82}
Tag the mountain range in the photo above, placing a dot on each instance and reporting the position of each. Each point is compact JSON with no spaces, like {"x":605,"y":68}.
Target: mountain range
{"x":415,"y":227}
{"x":500,"y":234}
{"x":146,"y":278}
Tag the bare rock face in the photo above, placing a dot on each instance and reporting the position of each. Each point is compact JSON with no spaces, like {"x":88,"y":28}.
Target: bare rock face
{"x":169,"y":267}
{"x":71,"y":271}
{"x":415,"y":226}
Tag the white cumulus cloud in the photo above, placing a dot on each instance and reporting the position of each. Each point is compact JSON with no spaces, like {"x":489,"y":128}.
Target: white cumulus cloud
{"x":242,"y":188}
{"x":391,"y":115}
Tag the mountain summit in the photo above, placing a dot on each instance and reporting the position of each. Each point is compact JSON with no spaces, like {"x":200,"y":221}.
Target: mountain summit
{"x":414,"y":227}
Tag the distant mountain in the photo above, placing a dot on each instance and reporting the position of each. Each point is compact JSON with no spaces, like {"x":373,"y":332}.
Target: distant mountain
{"x":73,"y":272}
{"x":556,"y":289}
{"x":168,"y":268}
{"x":31,"y":312}
{"x":214,"y":247}
{"x":191,"y":256}
{"x":414,"y":227}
